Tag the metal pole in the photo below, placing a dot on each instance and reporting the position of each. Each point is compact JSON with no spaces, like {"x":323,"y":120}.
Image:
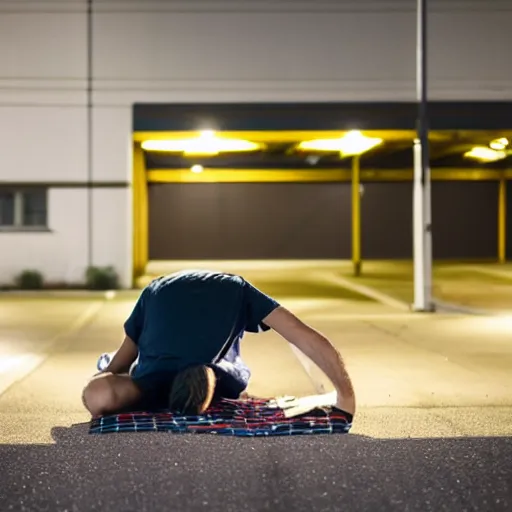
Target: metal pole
{"x":90,"y":217}
{"x":356,"y":215}
{"x":502,"y":219}
{"x":421,"y":196}
{"x":418,"y":230}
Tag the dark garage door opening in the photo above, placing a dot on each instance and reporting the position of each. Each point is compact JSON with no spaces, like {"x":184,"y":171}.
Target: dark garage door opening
{"x":221,"y":221}
{"x":266,"y":221}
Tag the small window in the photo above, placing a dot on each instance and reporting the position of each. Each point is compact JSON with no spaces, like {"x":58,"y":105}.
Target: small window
{"x":34,"y":207}
{"x":6,"y":208}
{"x":23,"y":208}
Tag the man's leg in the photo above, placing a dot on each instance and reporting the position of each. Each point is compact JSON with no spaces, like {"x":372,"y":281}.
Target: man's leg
{"x":108,"y":394}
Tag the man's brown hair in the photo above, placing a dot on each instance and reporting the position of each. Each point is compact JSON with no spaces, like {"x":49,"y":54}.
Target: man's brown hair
{"x":192,"y":390}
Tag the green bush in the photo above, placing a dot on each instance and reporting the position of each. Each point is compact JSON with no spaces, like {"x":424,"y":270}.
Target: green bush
{"x":102,"y":278}
{"x":30,"y":280}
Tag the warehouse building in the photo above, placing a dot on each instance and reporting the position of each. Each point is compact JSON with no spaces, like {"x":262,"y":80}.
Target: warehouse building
{"x":133,"y":132}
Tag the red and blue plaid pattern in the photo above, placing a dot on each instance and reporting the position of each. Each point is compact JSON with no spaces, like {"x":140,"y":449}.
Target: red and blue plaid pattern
{"x":246,"y":418}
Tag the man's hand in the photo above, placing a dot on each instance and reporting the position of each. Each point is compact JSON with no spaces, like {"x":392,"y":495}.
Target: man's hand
{"x":319,"y":349}
{"x":123,"y":358}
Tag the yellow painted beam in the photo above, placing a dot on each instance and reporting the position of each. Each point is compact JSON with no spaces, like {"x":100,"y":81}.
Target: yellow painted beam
{"x":502,"y":219}
{"x":452,"y":174}
{"x":144,"y":226}
{"x":476,"y":137}
{"x":436,"y":174}
{"x":247,"y":176}
{"x":312,"y":175}
{"x":356,"y":216}
{"x":140,"y":213}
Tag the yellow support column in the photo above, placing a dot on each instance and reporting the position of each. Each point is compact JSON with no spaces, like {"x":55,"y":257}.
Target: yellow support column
{"x":140,"y":214}
{"x":356,"y":215}
{"x":502,"y":219}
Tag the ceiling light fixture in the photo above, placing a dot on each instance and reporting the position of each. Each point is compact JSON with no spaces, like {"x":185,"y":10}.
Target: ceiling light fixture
{"x":499,"y":144}
{"x":485,"y":154}
{"x":207,"y":143}
{"x":352,"y":143}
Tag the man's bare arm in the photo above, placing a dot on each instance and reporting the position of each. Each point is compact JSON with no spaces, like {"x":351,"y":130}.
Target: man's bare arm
{"x":319,"y":349}
{"x":124,"y":357}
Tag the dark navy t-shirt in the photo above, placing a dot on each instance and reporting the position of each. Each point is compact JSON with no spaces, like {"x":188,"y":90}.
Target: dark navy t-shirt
{"x":194,"y":317}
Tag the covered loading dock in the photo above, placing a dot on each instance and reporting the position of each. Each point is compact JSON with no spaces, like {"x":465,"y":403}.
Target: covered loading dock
{"x":282,"y":202}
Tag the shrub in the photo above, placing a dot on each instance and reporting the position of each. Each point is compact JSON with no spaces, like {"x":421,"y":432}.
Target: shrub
{"x":102,"y":278}
{"x":30,"y":280}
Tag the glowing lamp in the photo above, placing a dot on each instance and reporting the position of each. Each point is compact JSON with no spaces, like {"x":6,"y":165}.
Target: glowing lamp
{"x":206,"y":144}
{"x":352,"y":143}
{"x":499,"y":144}
{"x":485,"y":154}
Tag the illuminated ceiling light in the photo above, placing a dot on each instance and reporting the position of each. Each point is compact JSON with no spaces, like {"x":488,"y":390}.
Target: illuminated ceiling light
{"x":353,"y":143}
{"x":206,"y":144}
{"x":499,"y":144}
{"x":485,"y":154}
{"x":197,"y":169}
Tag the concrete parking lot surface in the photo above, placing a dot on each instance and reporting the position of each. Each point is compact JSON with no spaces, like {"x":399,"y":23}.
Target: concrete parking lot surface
{"x":474,"y":286}
{"x":432,"y":432}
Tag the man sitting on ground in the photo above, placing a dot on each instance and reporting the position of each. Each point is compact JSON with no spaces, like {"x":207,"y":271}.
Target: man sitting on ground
{"x":184,"y":335}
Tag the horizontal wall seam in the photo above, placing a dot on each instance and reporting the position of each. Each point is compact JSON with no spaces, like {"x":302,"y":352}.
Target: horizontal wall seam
{"x":99,"y":6}
{"x":201,"y":83}
{"x":78,"y":105}
{"x":190,"y":7}
{"x":66,"y":184}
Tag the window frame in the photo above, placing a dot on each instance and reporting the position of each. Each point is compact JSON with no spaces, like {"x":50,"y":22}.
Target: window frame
{"x":18,"y":213}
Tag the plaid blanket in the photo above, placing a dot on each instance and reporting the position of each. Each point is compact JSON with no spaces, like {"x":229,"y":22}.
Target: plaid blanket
{"x":246,"y":418}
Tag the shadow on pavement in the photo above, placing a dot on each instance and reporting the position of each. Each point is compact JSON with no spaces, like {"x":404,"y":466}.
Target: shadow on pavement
{"x":161,"y":472}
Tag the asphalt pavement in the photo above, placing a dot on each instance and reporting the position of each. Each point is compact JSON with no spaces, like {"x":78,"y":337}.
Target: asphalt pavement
{"x":433,"y":429}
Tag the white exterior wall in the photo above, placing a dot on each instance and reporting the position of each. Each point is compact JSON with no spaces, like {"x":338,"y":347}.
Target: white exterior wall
{"x":61,"y":253}
{"x":43,"y":139}
{"x":286,"y":50}
{"x":210,"y":51}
